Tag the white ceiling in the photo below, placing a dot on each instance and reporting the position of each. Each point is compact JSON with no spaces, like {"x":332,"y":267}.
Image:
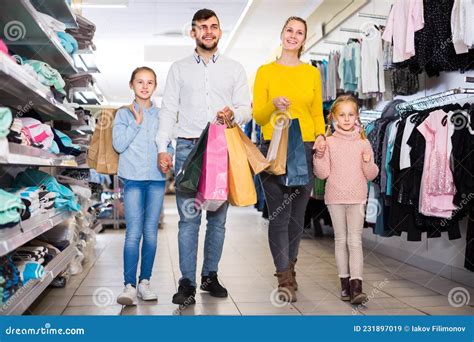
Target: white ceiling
{"x":155,"y":33}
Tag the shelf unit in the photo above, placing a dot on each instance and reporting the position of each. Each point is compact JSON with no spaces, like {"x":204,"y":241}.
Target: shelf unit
{"x":19,"y":87}
{"x":58,"y":9}
{"x":12,"y":238}
{"x":16,"y":154}
{"x":30,"y":37}
{"x":25,"y":296}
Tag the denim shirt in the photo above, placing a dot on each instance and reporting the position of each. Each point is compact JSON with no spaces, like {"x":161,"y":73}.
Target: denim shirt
{"x":136,"y":144}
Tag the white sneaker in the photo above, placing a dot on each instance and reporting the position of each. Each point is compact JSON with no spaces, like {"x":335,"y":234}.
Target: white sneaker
{"x":128,"y":296}
{"x":145,"y":292}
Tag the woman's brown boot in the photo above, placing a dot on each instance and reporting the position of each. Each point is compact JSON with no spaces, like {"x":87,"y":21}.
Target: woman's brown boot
{"x":286,"y":291}
{"x":345,"y":289}
{"x":293,"y":274}
{"x":357,"y":296}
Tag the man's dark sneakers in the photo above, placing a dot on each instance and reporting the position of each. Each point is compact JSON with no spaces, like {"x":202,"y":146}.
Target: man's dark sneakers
{"x":211,"y":284}
{"x":186,"y":293}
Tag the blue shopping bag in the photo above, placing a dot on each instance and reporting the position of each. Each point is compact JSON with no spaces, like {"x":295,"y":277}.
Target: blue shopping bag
{"x":296,"y":164}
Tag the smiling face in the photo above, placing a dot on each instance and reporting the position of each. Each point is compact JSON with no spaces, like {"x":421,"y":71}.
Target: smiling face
{"x":143,"y":84}
{"x":293,"y":35}
{"x":346,"y":115}
{"x":207,"y":33}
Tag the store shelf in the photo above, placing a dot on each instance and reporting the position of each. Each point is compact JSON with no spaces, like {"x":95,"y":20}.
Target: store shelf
{"x":12,"y":238}
{"x":97,"y":228}
{"x":58,"y":9}
{"x":25,"y":296}
{"x":20,"y":90}
{"x":27,"y":35}
{"x":16,"y":154}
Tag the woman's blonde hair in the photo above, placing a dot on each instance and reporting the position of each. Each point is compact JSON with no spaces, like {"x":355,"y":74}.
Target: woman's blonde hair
{"x":332,"y":113}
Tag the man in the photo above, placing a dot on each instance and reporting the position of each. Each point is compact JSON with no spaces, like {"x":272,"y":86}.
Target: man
{"x":200,"y":88}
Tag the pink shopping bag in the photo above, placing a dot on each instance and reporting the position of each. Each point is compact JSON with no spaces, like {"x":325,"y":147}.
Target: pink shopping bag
{"x":213,"y":188}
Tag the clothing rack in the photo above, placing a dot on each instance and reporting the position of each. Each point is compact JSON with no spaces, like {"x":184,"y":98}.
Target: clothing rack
{"x":319,"y":54}
{"x":372,"y":16}
{"x":432,"y":100}
{"x":333,"y":42}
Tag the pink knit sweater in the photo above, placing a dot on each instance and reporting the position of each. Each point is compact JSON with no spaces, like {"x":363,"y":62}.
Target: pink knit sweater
{"x":346,"y":172}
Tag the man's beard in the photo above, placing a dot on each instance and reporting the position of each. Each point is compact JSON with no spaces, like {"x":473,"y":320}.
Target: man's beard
{"x":207,"y":48}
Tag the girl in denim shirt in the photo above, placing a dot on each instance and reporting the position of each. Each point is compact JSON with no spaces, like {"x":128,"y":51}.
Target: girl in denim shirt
{"x":134,"y":133}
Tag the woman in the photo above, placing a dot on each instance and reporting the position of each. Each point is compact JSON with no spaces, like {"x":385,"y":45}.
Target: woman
{"x":288,"y":86}
{"x":134,"y":133}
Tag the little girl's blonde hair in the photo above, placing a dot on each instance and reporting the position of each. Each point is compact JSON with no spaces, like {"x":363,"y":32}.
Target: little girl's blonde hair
{"x":332,"y":113}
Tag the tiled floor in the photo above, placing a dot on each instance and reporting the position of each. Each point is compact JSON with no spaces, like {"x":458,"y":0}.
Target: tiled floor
{"x":246,"y":269}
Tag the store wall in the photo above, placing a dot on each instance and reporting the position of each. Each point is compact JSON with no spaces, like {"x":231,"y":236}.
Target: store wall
{"x":439,"y":255}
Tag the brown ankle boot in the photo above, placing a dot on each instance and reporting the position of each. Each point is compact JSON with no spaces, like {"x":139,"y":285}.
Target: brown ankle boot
{"x":286,"y":291}
{"x":293,"y":274}
{"x":357,"y":296}
{"x":345,"y":289}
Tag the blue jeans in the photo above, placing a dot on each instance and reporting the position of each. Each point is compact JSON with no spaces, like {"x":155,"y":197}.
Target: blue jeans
{"x":189,"y":223}
{"x":143,"y":202}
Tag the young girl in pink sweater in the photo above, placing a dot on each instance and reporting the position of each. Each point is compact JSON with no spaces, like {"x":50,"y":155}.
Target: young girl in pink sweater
{"x":345,"y":158}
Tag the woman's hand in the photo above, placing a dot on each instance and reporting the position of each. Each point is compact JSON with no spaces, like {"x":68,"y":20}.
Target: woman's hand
{"x":320,"y":146}
{"x":281,"y":103}
{"x":138,"y":116}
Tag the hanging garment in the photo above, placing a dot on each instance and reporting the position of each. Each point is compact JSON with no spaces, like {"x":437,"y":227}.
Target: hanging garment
{"x":372,"y":62}
{"x":462,"y":25}
{"x":404,"y":81}
{"x":437,"y":185}
{"x":349,"y":67}
{"x":405,"y":18}
{"x":404,"y":147}
{"x":462,"y":142}
{"x":435,"y":51}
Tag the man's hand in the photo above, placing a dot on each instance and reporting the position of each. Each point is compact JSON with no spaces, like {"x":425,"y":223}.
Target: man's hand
{"x":225,"y":114}
{"x":165,"y":162}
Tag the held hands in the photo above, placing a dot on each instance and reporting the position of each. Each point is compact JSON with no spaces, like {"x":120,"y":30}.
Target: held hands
{"x":225,"y":114}
{"x":165,"y":162}
{"x":320,"y":146}
{"x":138,"y":116}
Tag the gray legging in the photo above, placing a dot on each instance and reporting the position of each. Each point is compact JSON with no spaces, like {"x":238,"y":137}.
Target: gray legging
{"x":286,"y":209}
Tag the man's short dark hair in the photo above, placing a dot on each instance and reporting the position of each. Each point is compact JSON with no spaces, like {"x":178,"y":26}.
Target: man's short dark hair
{"x":203,"y":14}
